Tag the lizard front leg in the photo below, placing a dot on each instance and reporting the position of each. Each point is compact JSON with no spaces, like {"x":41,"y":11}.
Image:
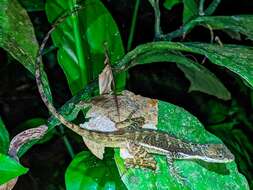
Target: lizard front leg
{"x":141,"y":158}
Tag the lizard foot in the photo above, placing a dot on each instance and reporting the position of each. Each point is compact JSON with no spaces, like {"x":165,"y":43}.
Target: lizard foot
{"x":140,"y":163}
{"x":177,"y":174}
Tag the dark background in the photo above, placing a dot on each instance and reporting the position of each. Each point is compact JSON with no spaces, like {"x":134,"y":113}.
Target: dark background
{"x":20,"y":101}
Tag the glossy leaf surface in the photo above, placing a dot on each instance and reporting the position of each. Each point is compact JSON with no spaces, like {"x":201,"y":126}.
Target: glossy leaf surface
{"x":199,"y":175}
{"x":240,"y":62}
{"x":88,"y":172}
{"x":4,"y":138}
{"x":238,"y":24}
{"x":17,"y":36}
{"x":81,"y":38}
{"x":9,"y":168}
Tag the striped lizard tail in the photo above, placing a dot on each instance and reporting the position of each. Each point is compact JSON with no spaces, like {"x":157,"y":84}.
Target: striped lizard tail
{"x":38,"y":67}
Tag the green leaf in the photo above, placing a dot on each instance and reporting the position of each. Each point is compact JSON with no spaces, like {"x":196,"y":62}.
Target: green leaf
{"x":200,"y":175}
{"x":240,"y":62}
{"x":190,"y":10}
{"x":204,"y":81}
{"x":17,"y":36}
{"x":9,"y":169}
{"x":237,"y":24}
{"x":87,"y":172}
{"x":169,"y":4}
{"x":4,"y":138}
{"x":81,"y":46}
{"x":201,"y":78}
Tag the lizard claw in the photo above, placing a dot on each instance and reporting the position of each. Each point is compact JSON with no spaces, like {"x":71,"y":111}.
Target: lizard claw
{"x":177,"y":174}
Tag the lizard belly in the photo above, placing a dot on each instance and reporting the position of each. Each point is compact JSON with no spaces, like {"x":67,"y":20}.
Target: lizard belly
{"x":155,"y":149}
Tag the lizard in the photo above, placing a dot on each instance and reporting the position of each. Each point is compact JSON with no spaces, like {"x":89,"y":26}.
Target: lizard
{"x":142,"y":143}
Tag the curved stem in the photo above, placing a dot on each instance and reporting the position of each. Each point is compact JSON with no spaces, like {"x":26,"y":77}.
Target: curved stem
{"x":133,"y":25}
{"x":201,"y":7}
{"x":158,"y":30}
{"x":212,"y":7}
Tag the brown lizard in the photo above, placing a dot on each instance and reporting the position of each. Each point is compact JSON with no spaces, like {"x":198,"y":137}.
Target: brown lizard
{"x":140,"y":142}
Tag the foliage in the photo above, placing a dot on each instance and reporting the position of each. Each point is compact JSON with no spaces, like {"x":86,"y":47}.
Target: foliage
{"x":81,"y":51}
{"x":81,"y":40}
{"x":10,"y":168}
{"x":87,"y":172}
{"x":17,"y":36}
{"x":4,"y":138}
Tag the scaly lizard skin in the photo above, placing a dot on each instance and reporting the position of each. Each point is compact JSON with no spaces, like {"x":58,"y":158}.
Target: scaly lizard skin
{"x":140,"y":142}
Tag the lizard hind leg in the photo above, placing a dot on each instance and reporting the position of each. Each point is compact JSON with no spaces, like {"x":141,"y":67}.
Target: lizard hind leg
{"x":140,"y":158}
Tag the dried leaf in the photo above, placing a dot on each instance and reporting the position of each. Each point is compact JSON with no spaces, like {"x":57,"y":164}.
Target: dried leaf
{"x":9,"y":185}
{"x":105,"y":80}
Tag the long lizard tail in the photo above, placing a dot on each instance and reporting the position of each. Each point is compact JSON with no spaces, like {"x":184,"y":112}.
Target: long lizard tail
{"x":39,"y":82}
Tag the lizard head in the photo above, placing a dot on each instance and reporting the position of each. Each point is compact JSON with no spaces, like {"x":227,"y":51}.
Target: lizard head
{"x":217,"y":153}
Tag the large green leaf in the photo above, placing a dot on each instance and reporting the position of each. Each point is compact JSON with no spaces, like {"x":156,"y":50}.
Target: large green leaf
{"x":199,"y":175}
{"x":9,"y":169}
{"x":4,"y":138}
{"x":81,"y":39}
{"x":17,"y":36}
{"x":190,"y":10}
{"x":240,"y":23}
{"x":237,"y":24}
{"x":87,"y":172}
{"x":201,"y":78}
{"x":238,"y":59}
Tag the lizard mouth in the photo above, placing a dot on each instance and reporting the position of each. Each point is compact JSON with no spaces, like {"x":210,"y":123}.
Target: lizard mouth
{"x":218,"y":159}
{"x":212,"y":160}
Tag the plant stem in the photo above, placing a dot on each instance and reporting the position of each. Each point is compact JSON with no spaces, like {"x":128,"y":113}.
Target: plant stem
{"x":212,"y":7}
{"x":179,"y":32}
{"x":67,"y":143}
{"x":158,"y":30}
{"x":133,"y":25}
{"x":201,"y":7}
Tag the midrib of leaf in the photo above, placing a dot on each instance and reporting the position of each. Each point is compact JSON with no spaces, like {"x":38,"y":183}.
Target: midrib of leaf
{"x":79,"y":47}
